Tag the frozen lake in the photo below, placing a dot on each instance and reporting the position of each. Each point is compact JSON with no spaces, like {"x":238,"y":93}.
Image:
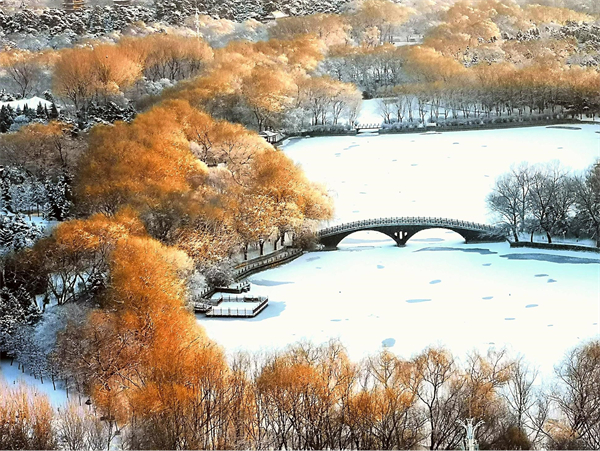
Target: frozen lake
{"x":436,"y":290}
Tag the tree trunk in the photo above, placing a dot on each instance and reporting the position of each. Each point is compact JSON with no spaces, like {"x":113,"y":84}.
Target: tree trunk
{"x":549,"y":238}
{"x":261,"y":245}
{"x":245,"y":252}
{"x":516,"y":235}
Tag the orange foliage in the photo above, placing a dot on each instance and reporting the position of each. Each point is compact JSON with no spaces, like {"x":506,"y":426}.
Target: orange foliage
{"x":142,"y":163}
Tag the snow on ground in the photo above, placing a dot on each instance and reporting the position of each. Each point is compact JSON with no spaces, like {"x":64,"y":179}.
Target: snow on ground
{"x":436,"y":290}
{"x":12,"y":376}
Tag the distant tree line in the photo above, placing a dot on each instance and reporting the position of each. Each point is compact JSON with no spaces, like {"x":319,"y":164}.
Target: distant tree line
{"x":547,"y":199}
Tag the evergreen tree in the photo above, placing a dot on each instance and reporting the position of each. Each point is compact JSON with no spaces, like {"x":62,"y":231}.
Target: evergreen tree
{"x":40,"y":112}
{"x":53,"y":111}
{"x":59,"y":198}
{"x":17,"y":308}
{"x":5,"y":119}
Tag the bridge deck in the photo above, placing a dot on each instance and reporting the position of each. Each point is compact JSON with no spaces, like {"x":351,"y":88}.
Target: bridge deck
{"x":408,"y":221}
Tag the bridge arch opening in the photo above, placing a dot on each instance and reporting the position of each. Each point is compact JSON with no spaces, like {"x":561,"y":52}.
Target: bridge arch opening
{"x":433,"y":236}
{"x":366,"y":238}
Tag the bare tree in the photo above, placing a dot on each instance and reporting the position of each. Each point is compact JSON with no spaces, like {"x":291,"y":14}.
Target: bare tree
{"x":441,"y":390}
{"x":586,"y":191}
{"x":578,"y":396}
{"x":25,"y":73}
{"x":550,"y":198}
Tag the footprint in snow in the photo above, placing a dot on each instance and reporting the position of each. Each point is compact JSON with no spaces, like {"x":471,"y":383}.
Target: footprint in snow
{"x":509,"y":319}
{"x":531,"y":305}
{"x":487,"y":298}
{"x":487,"y":264}
{"x":541,"y":275}
{"x":380,"y":266}
{"x":551,"y":281}
{"x":433,"y":282}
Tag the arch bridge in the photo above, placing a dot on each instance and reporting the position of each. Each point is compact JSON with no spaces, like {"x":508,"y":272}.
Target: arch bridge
{"x":401,"y":229}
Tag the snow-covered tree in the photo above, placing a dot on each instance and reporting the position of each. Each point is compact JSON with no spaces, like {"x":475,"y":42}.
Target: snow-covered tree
{"x":59,"y":198}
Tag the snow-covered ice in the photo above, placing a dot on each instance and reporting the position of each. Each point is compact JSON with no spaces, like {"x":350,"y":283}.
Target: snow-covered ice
{"x":536,"y":302}
{"x":474,"y":306}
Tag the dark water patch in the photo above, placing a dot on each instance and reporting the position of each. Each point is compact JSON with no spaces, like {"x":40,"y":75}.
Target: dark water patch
{"x":551,"y":281}
{"x":380,"y":266}
{"x":564,"y":127}
{"x":388,"y":342}
{"x":417,"y":301}
{"x":509,"y":319}
{"x":541,"y":275}
{"x":428,"y":240}
{"x":487,"y":298}
{"x":436,"y":281}
{"x":552,"y":258}
{"x":268,"y":283}
{"x":473,"y":250}
{"x":486,"y":264}
{"x":531,"y":305}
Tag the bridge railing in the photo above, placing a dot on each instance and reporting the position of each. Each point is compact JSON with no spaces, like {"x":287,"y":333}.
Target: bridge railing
{"x":400,"y":221}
